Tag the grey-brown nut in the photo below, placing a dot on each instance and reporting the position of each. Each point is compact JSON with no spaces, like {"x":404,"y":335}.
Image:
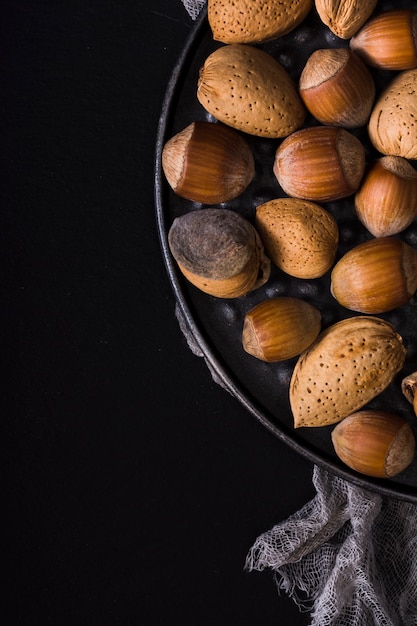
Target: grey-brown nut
{"x":219,"y":252}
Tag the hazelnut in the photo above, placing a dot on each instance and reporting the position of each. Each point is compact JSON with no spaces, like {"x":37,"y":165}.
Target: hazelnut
{"x":386,"y":202}
{"x":374,"y":443}
{"x":388,"y":40}
{"x":337,"y":88}
{"x":208,"y":163}
{"x":280,"y":328}
{"x":375,"y":276}
{"x":320,"y":163}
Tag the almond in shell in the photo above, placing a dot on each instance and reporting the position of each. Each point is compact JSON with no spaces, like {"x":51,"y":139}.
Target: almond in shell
{"x":246,"y":21}
{"x":348,"y":365}
{"x":249,"y":90}
{"x":300,"y":237}
{"x":393,"y":122}
{"x":344,"y":17}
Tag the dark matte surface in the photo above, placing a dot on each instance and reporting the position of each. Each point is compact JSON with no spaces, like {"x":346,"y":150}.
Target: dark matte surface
{"x":135,"y":485}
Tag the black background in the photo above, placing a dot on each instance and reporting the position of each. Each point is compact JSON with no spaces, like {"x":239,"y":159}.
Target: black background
{"x":135,"y":486}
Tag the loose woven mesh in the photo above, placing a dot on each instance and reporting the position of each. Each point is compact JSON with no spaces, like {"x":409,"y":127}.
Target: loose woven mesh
{"x":348,"y":556}
{"x":193,"y":7}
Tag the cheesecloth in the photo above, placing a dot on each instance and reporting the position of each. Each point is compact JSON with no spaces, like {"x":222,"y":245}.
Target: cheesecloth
{"x":349,"y":556}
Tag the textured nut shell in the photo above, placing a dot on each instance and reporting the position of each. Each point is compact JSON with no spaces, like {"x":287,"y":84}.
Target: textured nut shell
{"x":219,"y":252}
{"x":246,"y":21}
{"x":337,"y":88}
{"x":348,"y":365}
{"x":374,"y":443}
{"x":280,"y":328}
{"x":389,"y":40}
{"x":255,"y":274}
{"x":345,"y":17}
{"x":386,"y":202}
{"x":208,"y":163}
{"x":299,"y":236}
{"x":246,"y":88}
{"x":392,"y":125}
{"x":409,"y":389}
{"x":321,"y":163}
{"x":375,"y":276}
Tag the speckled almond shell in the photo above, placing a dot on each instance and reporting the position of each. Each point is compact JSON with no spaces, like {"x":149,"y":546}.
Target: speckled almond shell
{"x":300,"y":237}
{"x":247,"y":21}
{"x":393,"y":122}
{"x":345,"y":17}
{"x":248,"y":89}
{"x":348,"y":365}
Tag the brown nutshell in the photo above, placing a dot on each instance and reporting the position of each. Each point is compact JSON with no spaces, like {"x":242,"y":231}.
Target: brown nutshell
{"x":300,"y":236}
{"x":375,"y":276}
{"x":280,"y":328}
{"x":337,"y":88}
{"x":389,"y":40}
{"x":219,"y":252}
{"x":392,"y":125}
{"x":333,"y":157}
{"x":208,"y":163}
{"x":386,"y":202}
{"x":249,"y":22}
{"x":348,"y":365}
{"x":344,"y":17}
{"x":375,"y":443}
{"x":248,"y":89}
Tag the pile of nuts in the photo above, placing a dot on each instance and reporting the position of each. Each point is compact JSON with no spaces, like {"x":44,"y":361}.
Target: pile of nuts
{"x":246,"y":91}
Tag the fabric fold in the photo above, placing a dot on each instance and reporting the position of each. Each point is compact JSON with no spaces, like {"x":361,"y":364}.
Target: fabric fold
{"x":348,"y":556}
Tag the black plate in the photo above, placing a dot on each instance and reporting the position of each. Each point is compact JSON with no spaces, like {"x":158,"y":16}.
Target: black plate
{"x":216,"y":324}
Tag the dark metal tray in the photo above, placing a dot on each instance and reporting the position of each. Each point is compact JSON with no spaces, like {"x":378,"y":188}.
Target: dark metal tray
{"x":216,"y":324}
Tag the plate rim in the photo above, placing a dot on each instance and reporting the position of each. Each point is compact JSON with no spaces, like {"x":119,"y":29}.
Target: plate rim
{"x":381,"y":487}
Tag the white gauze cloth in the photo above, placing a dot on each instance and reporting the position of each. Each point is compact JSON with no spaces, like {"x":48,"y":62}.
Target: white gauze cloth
{"x":193,"y":7}
{"x":349,"y":556}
